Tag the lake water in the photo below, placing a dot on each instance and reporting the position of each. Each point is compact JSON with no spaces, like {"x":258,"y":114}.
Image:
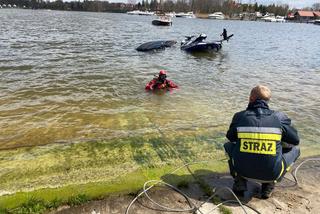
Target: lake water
{"x":74,"y":76}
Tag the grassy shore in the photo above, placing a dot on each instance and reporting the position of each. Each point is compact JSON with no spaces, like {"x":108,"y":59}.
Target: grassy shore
{"x":40,"y":178}
{"x":63,"y":173}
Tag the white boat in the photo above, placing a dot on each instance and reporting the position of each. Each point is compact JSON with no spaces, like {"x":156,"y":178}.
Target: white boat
{"x":141,"y":13}
{"x":146,"y":13}
{"x":258,"y":15}
{"x":172,"y":14}
{"x":162,"y":21}
{"x":316,"y":22}
{"x":269,"y":18}
{"x":186,"y":15}
{"x":280,"y":19}
{"x":274,"y":19}
{"x":134,"y":12}
{"x":216,"y":15}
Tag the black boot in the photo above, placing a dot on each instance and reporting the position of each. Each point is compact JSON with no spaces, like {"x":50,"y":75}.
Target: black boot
{"x":239,"y":186}
{"x":266,"y":190}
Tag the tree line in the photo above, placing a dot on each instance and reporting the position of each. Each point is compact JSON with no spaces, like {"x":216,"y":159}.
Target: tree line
{"x":228,"y":7}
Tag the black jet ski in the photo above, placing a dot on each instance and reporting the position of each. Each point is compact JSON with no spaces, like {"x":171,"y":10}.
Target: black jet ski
{"x":156,"y":45}
{"x":199,"y":45}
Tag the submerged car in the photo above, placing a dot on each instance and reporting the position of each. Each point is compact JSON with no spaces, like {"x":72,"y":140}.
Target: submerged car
{"x":156,"y":45}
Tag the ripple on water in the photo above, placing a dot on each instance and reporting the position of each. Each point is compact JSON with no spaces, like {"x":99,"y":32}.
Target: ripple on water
{"x":76,"y":76}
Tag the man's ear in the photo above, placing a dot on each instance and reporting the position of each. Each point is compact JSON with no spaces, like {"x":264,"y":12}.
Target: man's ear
{"x":252,"y":98}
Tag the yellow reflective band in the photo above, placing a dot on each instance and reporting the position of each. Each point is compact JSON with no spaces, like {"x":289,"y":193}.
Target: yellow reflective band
{"x":260,"y":136}
{"x":282,"y":169}
{"x":265,"y":147}
{"x":288,"y":168}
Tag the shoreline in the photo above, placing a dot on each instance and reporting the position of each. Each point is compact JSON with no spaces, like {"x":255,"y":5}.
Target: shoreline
{"x":198,"y":15}
{"x":78,"y":168}
{"x":286,"y":198}
{"x":77,"y":194}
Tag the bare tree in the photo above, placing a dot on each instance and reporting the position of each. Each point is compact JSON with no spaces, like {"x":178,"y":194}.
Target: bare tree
{"x":316,"y":6}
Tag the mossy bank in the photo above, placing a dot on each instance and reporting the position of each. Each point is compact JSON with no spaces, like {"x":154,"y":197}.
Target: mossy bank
{"x":59,"y":172}
{"x":39,"y":178}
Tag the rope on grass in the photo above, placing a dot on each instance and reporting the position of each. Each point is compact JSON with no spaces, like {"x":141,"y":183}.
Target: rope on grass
{"x":193,"y":208}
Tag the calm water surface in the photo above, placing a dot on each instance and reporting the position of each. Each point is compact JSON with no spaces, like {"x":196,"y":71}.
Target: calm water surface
{"x":73,"y":76}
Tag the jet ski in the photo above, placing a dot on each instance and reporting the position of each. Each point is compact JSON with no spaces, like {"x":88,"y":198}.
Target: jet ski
{"x":156,"y":45}
{"x":197,"y":44}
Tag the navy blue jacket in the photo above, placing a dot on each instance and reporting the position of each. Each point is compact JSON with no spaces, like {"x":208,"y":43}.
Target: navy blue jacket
{"x":258,"y":133}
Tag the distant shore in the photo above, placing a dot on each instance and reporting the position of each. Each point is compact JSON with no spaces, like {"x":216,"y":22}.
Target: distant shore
{"x":197,"y":15}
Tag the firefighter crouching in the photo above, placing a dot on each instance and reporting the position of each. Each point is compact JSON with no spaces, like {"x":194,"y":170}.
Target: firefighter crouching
{"x":263,"y":144}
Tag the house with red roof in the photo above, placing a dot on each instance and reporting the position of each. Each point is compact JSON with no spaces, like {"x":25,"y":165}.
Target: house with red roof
{"x":304,"y":16}
{"x":316,"y":14}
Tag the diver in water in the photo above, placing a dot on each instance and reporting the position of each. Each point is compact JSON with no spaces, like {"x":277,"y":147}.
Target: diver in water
{"x":161,"y":82}
{"x":225,"y":34}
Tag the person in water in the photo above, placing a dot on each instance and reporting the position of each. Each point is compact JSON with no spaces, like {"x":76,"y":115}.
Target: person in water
{"x":224,"y":34}
{"x":161,"y":82}
{"x":263,"y":144}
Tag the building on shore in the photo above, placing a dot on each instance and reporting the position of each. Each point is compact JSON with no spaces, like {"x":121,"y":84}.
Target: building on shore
{"x":306,"y":16}
{"x":316,"y":14}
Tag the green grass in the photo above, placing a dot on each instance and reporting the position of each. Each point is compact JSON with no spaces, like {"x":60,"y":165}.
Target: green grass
{"x":78,"y":194}
{"x":56,"y":174}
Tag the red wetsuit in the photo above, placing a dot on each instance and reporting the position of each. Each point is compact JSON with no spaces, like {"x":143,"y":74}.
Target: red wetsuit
{"x":156,"y":84}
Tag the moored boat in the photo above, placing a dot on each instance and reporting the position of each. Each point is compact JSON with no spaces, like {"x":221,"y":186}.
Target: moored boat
{"x":162,"y":21}
{"x":171,"y":14}
{"x":186,"y":15}
{"x":141,"y":13}
{"x":216,"y":15}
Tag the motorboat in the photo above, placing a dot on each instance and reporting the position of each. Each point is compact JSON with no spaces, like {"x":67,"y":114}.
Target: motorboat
{"x":216,"y":15}
{"x":280,"y":19}
{"x":197,"y":44}
{"x":186,"y":15}
{"x":316,"y":22}
{"x":274,"y":19}
{"x":156,"y":45}
{"x":269,"y":19}
{"x":147,"y":13}
{"x":162,"y":21}
{"x":134,"y":12}
{"x":141,"y":13}
{"x":172,"y":14}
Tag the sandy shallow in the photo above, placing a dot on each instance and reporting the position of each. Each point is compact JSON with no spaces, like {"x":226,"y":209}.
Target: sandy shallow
{"x":287,"y":197}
